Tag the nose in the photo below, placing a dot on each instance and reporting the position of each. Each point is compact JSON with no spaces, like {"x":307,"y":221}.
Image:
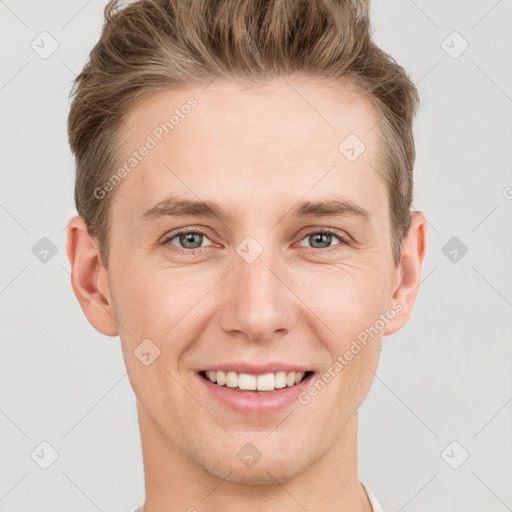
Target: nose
{"x":258,"y":304}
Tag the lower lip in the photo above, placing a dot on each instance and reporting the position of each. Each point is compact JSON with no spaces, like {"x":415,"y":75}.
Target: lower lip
{"x":265,"y":403}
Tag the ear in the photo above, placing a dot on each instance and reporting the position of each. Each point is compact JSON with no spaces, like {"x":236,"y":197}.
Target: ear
{"x":408,"y":273}
{"x":89,"y":279}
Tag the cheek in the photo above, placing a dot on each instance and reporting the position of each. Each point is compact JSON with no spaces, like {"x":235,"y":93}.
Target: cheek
{"x":158,"y":301}
{"x":351,"y":305}
{"x":347,"y":300}
{"x":154,"y":306}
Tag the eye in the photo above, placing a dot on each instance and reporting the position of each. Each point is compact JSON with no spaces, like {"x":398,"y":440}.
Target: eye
{"x":322,"y":239}
{"x":189,"y":240}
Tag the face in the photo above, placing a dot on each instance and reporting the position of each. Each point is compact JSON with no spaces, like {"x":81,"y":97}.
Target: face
{"x":290,"y":262}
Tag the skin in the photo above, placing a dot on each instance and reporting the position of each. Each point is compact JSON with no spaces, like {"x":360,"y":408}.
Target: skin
{"x":256,"y":152}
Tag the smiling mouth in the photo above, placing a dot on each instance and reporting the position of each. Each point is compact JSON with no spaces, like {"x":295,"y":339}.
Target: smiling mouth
{"x":247,"y":382}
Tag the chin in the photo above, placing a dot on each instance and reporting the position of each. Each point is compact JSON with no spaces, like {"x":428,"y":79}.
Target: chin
{"x":261,"y":473}
{"x":273,"y":468}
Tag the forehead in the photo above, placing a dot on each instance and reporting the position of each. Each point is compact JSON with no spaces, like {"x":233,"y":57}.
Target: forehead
{"x":302,"y":112}
{"x":295,"y":138}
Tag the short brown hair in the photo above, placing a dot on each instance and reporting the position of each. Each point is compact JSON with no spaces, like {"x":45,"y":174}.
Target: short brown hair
{"x":153,"y":45}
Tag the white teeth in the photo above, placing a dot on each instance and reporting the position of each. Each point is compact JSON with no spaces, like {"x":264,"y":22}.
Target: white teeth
{"x":298,"y":377}
{"x":265,"y":382}
{"x":232,"y":380}
{"x":280,"y":380}
{"x":246,"y":381}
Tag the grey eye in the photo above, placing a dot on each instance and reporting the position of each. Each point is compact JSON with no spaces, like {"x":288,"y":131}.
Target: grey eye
{"x":320,"y":240}
{"x":190,"y":239}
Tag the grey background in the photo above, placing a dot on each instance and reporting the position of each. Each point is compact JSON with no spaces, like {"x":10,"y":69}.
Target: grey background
{"x":445,"y":377}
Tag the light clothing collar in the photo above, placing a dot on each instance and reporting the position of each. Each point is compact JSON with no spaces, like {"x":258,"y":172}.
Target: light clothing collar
{"x":373,"y":500}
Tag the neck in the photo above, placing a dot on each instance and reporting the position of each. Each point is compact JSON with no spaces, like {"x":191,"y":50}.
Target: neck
{"x":173,"y":482}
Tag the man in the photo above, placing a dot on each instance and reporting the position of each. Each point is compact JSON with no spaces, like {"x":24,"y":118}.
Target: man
{"x":244,"y":184}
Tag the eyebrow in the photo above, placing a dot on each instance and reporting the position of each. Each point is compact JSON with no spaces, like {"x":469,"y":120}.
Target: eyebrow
{"x":174,"y":207}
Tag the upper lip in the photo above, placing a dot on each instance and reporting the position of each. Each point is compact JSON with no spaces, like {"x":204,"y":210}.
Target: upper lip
{"x":255,"y":369}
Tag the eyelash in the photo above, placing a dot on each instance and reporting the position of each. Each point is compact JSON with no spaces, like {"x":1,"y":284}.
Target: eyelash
{"x":344,"y":240}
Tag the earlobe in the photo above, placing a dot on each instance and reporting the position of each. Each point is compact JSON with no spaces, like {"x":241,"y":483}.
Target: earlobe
{"x":89,"y":279}
{"x":414,"y":248}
